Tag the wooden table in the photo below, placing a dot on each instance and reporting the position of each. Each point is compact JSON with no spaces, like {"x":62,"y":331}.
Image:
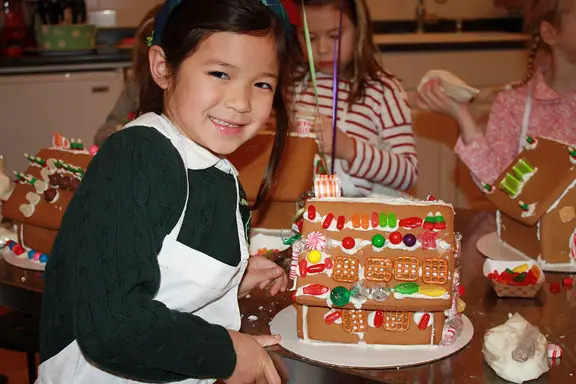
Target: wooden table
{"x":553,"y":313}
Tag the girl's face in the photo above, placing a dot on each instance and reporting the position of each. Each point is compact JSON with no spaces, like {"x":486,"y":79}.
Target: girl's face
{"x":223,"y":92}
{"x":323,"y":22}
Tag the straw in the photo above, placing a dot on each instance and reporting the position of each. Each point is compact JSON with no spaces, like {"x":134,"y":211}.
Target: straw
{"x":310,"y":55}
{"x":335,"y":87}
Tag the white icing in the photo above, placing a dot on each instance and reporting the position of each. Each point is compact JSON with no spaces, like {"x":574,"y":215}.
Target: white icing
{"x":382,"y":200}
{"x":544,"y":264}
{"x":358,"y":302}
{"x":361,"y":243}
{"x":333,"y":227}
{"x":530,"y":146}
{"x":33,"y":198}
{"x":555,"y":205}
{"x":530,"y":211}
{"x":418,"y":316}
{"x":370,"y":319}
{"x":572,"y":246}
{"x":305,"y":322}
{"x":384,"y":347}
{"x":27,"y":210}
{"x":499,"y":223}
{"x":360,"y":336}
{"x":400,"y":296}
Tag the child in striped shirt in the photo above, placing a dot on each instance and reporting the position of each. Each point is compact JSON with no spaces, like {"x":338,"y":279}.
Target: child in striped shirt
{"x":375,"y":151}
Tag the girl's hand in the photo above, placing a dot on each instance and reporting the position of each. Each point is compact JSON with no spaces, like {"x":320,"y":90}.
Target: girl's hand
{"x":344,"y":143}
{"x":253,"y":365}
{"x":431,"y":96}
{"x":260,"y":273}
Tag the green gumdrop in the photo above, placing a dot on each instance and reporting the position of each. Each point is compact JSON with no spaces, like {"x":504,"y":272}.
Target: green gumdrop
{"x":383,"y":218}
{"x":521,"y":277}
{"x":406,"y":288}
{"x":378,"y":241}
{"x":508,"y":270}
{"x":340,"y":296}
{"x":392,"y":220}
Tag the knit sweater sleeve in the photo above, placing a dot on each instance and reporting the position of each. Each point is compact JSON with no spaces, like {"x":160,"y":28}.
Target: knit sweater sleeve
{"x":129,"y":200}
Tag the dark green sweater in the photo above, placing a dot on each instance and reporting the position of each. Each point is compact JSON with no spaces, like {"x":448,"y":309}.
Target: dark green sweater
{"x":103,"y":271}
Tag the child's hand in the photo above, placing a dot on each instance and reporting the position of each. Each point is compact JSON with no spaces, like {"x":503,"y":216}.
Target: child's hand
{"x":260,"y":273}
{"x":344,"y":143}
{"x":431,"y":96}
{"x":253,"y":365}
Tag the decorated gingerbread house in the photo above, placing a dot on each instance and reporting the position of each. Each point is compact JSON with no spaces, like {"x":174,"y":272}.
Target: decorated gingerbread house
{"x":376,"y":271}
{"x":42,"y":194}
{"x":536,"y":201}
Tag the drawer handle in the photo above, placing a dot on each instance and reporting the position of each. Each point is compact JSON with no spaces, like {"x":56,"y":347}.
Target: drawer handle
{"x":103,"y":89}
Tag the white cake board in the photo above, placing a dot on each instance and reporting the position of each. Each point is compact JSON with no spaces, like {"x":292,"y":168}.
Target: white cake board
{"x":22,"y":261}
{"x":492,"y":247}
{"x":362,"y":356}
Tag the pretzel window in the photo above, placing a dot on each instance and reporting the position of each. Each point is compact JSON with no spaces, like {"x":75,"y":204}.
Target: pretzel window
{"x":397,"y":321}
{"x":435,"y":271}
{"x":345,"y":269}
{"x":354,"y":320}
{"x":406,"y":268}
{"x":379,"y":269}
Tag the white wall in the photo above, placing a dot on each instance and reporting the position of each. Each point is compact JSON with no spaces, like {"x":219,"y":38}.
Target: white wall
{"x":405,"y":9}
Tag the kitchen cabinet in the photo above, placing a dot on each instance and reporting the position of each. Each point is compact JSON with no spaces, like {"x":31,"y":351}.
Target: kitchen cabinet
{"x":33,"y":106}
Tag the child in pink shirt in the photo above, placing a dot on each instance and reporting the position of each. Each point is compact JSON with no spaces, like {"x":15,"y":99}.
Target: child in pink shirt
{"x":543,"y":105}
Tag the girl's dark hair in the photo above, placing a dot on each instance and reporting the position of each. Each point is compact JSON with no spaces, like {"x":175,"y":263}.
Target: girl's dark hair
{"x":192,"y":22}
{"x":365,"y":63}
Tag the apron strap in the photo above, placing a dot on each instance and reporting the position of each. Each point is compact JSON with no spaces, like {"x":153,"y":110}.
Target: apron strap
{"x":525,"y":121}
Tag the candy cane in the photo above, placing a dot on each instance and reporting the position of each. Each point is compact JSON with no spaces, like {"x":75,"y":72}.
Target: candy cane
{"x":573,"y":245}
{"x":327,"y":186}
{"x":554,"y":351}
{"x":296,"y":249}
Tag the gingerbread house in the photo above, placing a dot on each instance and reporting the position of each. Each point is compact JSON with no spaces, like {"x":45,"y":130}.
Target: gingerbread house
{"x":536,"y":201}
{"x":42,"y":193}
{"x":376,"y":271}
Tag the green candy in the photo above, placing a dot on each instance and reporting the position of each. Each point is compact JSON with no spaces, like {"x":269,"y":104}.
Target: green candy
{"x":439,"y":219}
{"x":521,"y":277}
{"x":340,"y":296}
{"x":406,"y":288}
{"x":383,"y":219}
{"x":508,"y":270}
{"x":392,"y":220}
{"x":378,"y":241}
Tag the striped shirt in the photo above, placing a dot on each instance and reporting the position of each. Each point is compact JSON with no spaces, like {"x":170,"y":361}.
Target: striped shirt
{"x":385,"y":160}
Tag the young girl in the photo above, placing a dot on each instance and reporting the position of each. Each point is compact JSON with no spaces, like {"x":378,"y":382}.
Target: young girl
{"x":544,"y":105}
{"x":151,"y":257}
{"x":127,"y":103}
{"x":375,"y":151}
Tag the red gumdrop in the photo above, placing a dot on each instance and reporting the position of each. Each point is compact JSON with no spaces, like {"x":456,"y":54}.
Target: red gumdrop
{"x":461,"y":290}
{"x":331,"y":318}
{"x":303,"y":265}
{"x":340,"y":223}
{"x":18,"y":249}
{"x":328,"y":221}
{"x":554,"y":287}
{"x":375,"y":220}
{"x":315,"y":289}
{"x":348,"y":242}
{"x":317,"y":268}
{"x":395,"y":238}
{"x":423,"y":324}
{"x":378,"y":319}
{"x":329,"y":264}
{"x":311,"y":212}
{"x":568,"y":281}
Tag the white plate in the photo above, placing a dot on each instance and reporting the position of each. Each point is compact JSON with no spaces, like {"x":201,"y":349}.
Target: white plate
{"x":22,"y":261}
{"x":268,"y":238}
{"x":492,"y":247}
{"x":368,"y":356}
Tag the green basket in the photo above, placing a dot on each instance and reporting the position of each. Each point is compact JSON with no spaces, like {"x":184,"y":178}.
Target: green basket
{"x":74,"y":37}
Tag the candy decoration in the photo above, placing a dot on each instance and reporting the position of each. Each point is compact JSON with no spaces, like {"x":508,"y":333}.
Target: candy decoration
{"x":383,"y":220}
{"x":43,"y":258}
{"x":365,"y":220}
{"x":410,"y":222}
{"x":329,"y":264}
{"x":315,"y":289}
{"x":392,"y":220}
{"x":428,"y":239}
{"x":37,"y":256}
{"x":423,"y":324}
{"x":409,"y":240}
{"x":460,"y":305}
{"x":340,"y":223}
{"x":360,"y":290}
{"x":332,"y":317}
{"x":375,"y":220}
{"x":327,"y":186}
{"x":340,"y":296}
{"x":18,"y":250}
{"x":31,"y":254}
{"x":348,"y":243}
{"x":311,"y":212}
{"x":568,"y":282}
{"x":488,"y":188}
{"x":93,"y":149}
{"x":50,"y":195}
{"x":521,"y":268}
{"x":314,"y":257}
{"x":460,"y":290}
{"x":530,"y":140}
{"x":395,"y":238}
{"x":572,"y":152}
{"x":356,"y":220}
{"x":10,"y":244}
{"x":430,"y":198}
{"x":429,"y":222}
{"x":381,"y":292}
{"x":318,"y":268}
{"x":328,"y":221}
{"x":522,"y":169}
{"x":303,"y":266}
{"x":294,"y":296}
{"x":406,"y":288}
{"x":511,"y":185}
{"x":439,"y":222}
{"x":431,"y":290}
{"x":378,"y":241}
{"x":315,"y":241}
{"x":297,"y":226}
{"x":378,"y":319}
{"x":554,"y":287}
{"x":523,"y":206}
{"x":554,"y":351}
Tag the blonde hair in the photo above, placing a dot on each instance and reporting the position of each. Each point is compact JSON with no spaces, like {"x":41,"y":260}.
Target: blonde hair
{"x":365,"y":62}
{"x":538,"y":12}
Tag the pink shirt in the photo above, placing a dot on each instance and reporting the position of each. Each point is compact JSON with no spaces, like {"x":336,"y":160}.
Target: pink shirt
{"x":552,"y":115}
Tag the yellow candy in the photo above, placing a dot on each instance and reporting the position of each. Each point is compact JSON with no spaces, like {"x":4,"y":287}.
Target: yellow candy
{"x":314,"y":257}
{"x":431,"y":290}
{"x":460,"y":305}
{"x":521,"y":268}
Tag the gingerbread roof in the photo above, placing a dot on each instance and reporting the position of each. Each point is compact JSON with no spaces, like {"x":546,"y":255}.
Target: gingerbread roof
{"x":535,"y":180}
{"x":40,"y":198}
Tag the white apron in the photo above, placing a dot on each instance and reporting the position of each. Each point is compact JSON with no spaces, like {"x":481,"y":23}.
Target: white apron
{"x":182,"y":269}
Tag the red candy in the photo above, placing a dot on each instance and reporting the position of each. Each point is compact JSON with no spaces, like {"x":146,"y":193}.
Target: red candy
{"x":311,"y":212}
{"x":568,"y":281}
{"x":18,"y":250}
{"x":554,"y":287}
{"x":395,"y":237}
{"x":375,"y":220}
{"x":423,"y":324}
{"x":510,"y":277}
{"x":378,"y":319}
{"x":317,"y":268}
{"x":294,"y":296}
{"x":303,"y":265}
{"x":410,"y":222}
{"x":329,"y":264}
{"x":340,"y":223}
{"x":348,"y":243}
{"x":331,"y":318}
{"x":430,"y":198}
{"x":461,"y":290}
{"x":315,"y":289}
{"x":328,"y":221}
